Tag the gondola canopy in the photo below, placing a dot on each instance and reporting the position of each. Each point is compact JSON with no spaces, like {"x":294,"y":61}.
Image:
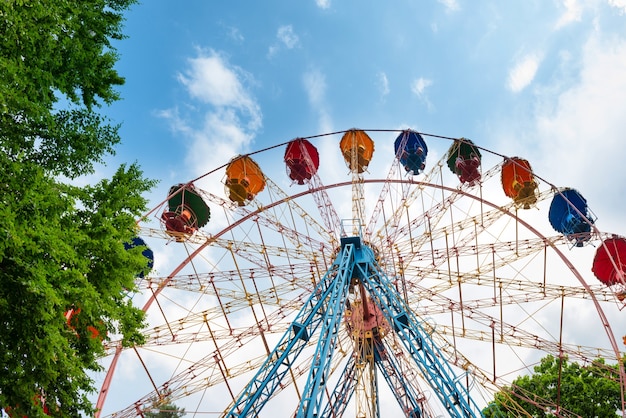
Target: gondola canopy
{"x":146,"y":252}
{"x":357,"y":149}
{"x":411,"y":151}
{"x":570,"y":216}
{"x":186,"y":212}
{"x":244,"y":179}
{"x":464,"y":161}
{"x":609,"y":263}
{"x":519,"y":182}
{"x":302,"y":160}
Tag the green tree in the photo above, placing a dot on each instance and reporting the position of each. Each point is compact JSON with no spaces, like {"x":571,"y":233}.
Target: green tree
{"x":165,"y":409}
{"x":588,"y":391}
{"x":64,"y":271}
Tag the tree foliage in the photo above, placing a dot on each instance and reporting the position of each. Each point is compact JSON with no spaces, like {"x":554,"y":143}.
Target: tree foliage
{"x":165,"y":409}
{"x":561,"y":386}
{"x":64,"y":271}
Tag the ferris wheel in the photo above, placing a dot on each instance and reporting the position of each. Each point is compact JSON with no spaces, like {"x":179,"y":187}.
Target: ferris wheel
{"x":326,"y":276}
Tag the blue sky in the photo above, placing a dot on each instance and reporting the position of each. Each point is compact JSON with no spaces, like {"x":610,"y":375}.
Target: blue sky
{"x":540,"y":79}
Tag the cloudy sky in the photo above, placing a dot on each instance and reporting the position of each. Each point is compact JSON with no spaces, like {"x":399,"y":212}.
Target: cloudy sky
{"x":545,"y":80}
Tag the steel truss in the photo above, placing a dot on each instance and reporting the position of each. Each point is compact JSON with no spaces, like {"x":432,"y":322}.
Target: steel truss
{"x":356,"y":263}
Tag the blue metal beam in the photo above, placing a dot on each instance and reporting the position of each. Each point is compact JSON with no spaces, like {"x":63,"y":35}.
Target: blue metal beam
{"x":420,"y":346}
{"x":325,"y":306}
{"x":267,"y":379}
{"x":316,"y":382}
{"x":390,"y":366}
{"x":341,"y":395}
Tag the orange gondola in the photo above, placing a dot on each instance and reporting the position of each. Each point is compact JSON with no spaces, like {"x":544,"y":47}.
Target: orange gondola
{"x":72,"y":316}
{"x":357,"y":149}
{"x":519,"y":182}
{"x":244,"y":179}
{"x":37,"y":400}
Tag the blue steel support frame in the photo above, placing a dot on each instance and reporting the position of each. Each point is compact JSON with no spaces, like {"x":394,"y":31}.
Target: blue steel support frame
{"x":389,"y":366}
{"x":316,"y":382}
{"x":341,"y":395}
{"x":420,"y":346}
{"x":313,"y":313}
{"x":325,"y":307}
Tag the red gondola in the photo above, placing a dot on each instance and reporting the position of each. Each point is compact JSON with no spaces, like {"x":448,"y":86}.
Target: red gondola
{"x":302,"y":160}
{"x":73,"y":315}
{"x":609,"y":263}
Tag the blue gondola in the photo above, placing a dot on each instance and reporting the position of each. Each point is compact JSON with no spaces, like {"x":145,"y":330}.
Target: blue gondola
{"x":411,"y":151}
{"x":567,"y":214}
{"x":147,"y":253}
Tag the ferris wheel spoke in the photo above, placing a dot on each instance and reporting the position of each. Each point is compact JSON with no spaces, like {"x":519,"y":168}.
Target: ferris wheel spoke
{"x":251,"y":251}
{"x":283,"y":223}
{"x":263,"y":266}
{"x":495,"y":329}
{"x":202,"y":283}
{"x":502,"y":292}
{"x":326,"y":208}
{"x":487,"y":383}
{"x":327,"y":234}
{"x":384,"y":195}
{"x":213,"y":369}
{"x":194,"y":328}
{"x":358,"y":202}
{"x":483,"y":258}
{"x":422,"y":228}
{"x":516,"y":338}
{"x":472,"y":226}
{"x":408,"y":196}
{"x":209,"y":326}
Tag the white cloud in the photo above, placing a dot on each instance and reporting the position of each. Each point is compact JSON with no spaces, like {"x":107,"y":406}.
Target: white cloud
{"x":315,"y":86}
{"x":450,"y":5}
{"x":323,"y":4}
{"x":587,"y":124}
{"x":383,"y":84}
{"x":210,"y":79}
{"x":419,"y":86}
{"x":579,"y":135}
{"x":227,"y":126}
{"x":287,"y":36}
{"x":573,"y":13}
{"x":523,"y":72}
{"x":235,"y":34}
{"x":620,"y":4}
{"x":272,"y":50}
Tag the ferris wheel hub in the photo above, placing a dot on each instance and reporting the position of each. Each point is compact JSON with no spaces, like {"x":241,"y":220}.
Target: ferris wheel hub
{"x":366,"y":322}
